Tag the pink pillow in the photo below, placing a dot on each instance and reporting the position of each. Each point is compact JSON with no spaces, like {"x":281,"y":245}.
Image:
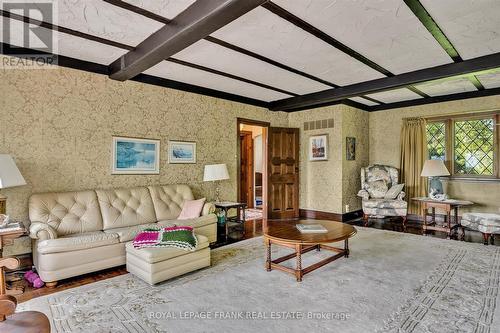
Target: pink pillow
{"x":191,"y":209}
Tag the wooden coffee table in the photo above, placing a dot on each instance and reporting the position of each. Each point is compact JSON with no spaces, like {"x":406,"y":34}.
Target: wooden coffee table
{"x":285,"y":233}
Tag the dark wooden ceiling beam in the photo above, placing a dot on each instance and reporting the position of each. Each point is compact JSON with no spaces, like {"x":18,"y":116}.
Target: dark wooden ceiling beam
{"x":230,"y":76}
{"x":50,"y":26}
{"x":431,"y":25}
{"x":402,"y":80}
{"x":297,"y":21}
{"x":139,"y":10}
{"x":436,"y":99}
{"x":196,"y":22}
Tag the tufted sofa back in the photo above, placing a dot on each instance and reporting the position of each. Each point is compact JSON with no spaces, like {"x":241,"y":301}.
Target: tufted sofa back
{"x":126,"y":207}
{"x":68,"y":212}
{"x":168,"y":200}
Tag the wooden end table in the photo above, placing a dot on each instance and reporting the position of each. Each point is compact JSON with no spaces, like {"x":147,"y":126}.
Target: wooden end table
{"x":447,"y":206}
{"x":7,"y":238}
{"x":285,"y":233}
{"x":239,"y":219}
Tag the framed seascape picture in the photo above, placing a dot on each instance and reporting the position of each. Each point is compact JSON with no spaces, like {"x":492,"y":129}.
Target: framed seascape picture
{"x":350,"y":149}
{"x":135,"y":156}
{"x":181,"y":152}
{"x":318,"y":148}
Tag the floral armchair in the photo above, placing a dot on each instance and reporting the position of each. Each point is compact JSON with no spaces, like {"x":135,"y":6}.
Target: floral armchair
{"x":382,"y":194}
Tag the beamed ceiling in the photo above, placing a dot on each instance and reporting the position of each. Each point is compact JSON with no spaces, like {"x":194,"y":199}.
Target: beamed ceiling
{"x":286,"y":55}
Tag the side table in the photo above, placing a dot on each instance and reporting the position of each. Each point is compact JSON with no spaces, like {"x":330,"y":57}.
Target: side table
{"x":447,"y":206}
{"x":239,"y":219}
{"x":7,"y":238}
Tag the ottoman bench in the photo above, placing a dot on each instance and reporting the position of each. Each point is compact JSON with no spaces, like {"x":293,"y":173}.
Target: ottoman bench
{"x":486,"y":223}
{"x":157,"y":264}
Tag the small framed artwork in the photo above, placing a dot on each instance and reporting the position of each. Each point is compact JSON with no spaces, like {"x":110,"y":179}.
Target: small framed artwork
{"x":350,"y":149}
{"x":318,"y":148}
{"x":135,"y":156}
{"x":181,"y":152}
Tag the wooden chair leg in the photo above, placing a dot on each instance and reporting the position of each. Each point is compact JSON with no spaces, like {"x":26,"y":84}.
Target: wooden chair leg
{"x":405,"y":218}
{"x":365,"y":219}
{"x":486,"y":238}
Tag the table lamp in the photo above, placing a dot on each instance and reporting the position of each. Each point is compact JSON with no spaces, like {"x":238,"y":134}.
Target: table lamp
{"x":215,"y":173}
{"x":434,"y":169}
{"x":9,"y":177}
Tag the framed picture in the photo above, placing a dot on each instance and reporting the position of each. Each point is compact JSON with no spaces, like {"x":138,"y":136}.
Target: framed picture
{"x":181,"y":152}
{"x":318,"y":148}
{"x":350,"y":149}
{"x":135,"y":156}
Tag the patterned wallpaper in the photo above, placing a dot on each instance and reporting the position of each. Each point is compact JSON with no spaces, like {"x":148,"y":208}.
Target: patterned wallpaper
{"x":385,"y":127}
{"x":58,"y":125}
{"x":328,"y":186}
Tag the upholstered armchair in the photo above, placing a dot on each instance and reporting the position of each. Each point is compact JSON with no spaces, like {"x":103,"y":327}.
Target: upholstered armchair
{"x":381,"y":193}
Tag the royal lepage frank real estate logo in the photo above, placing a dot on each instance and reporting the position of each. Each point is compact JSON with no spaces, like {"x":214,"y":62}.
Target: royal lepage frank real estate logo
{"x":27,"y":38}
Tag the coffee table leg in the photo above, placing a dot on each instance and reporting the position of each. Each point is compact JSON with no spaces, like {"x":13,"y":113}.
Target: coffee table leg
{"x":298,"y":271}
{"x":268,"y":259}
{"x":346,"y":248}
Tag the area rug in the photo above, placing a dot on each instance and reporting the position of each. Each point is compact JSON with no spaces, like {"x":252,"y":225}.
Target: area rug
{"x":392,"y":282}
{"x":253,"y":214}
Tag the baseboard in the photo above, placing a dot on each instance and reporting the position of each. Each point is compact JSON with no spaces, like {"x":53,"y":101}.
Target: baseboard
{"x":319,"y":215}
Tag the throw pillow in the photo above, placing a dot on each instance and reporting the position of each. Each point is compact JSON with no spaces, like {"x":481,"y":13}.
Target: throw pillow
{"x":191,"y":209}
{"x":394,"y":191}
{"x":377,"y":189}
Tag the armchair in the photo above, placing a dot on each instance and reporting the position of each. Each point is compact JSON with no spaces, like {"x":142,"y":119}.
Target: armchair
{"x":382,"y":195}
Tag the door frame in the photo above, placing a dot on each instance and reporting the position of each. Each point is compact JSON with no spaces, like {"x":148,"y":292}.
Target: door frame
{"x":251,"y":175}
{"x":265,"y":125}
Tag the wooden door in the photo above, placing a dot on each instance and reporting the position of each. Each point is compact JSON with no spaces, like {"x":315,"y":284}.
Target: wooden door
{"x":283,"y":173}
{"x":246,"y":168}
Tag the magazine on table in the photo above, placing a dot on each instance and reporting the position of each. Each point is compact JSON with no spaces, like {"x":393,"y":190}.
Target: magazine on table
{"x":311,"y":228}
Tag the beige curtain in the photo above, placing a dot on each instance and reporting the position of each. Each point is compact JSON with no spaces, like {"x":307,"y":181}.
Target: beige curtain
{"x":413,"y":156}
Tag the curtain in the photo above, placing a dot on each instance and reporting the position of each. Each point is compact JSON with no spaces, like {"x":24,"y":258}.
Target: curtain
{"x":413,"y":156}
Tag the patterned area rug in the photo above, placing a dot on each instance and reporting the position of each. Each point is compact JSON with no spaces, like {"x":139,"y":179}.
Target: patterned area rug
{"x":392,"y":282}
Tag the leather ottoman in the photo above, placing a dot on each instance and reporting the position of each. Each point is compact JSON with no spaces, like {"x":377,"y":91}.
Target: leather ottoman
{"x":155,"y":265}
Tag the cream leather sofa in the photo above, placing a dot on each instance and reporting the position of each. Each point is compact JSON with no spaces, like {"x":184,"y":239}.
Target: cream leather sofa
{"x":80,"y":232}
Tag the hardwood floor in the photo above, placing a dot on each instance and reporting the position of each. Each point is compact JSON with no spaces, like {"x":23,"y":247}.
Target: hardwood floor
{"x":252,"y":229}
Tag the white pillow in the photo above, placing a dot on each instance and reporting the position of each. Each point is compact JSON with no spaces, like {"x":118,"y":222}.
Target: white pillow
{"x":377,"y":189}
{"x":394,"y":191}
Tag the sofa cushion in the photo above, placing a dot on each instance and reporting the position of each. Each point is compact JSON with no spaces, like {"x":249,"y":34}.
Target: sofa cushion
{"x":156,"y":254}
{"x":195,"y":223}
{"x":127,"y":234}
{"x":169,"y":199}
{"x":377,"y":189}
{"x":191,"y":209}
{"x":77,"y":242}
{"x":126,"y":207}
{"x":68,"y":212}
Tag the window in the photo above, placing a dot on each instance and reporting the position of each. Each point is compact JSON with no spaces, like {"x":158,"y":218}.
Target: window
{"x":474,"y":147}
{"x":468,"y":145}
{"x":436,"y":140}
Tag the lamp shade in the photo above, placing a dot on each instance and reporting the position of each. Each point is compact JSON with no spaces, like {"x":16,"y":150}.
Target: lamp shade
{"x":215,"y":172}
{"x":434,"y":168}
{"x":9,"y":173}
